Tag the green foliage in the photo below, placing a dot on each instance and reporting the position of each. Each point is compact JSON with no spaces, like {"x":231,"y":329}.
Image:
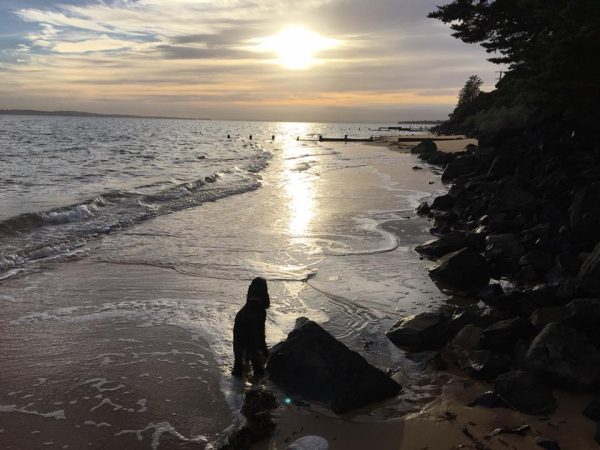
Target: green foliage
{"x":470,"y":90}
{"x":551,"y":48}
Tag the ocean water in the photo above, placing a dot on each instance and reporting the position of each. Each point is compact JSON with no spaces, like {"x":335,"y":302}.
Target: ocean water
{"x":136,"y":239}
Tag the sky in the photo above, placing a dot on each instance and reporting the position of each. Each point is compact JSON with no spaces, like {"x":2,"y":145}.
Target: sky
{"x":371,"y":61}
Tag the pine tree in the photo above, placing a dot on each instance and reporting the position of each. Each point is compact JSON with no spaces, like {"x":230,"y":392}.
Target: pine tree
{"x":470,"y":90}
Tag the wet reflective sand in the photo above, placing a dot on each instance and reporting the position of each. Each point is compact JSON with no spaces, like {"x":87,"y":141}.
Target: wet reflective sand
{"x":129,"y":345}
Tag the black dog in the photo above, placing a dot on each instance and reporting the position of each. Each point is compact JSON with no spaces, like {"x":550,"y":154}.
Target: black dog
{"x":249,"y":330}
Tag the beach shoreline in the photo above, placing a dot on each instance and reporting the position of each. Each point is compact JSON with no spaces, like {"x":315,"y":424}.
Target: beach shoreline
{"x":446,"y":421}
{"x":149,"y":309}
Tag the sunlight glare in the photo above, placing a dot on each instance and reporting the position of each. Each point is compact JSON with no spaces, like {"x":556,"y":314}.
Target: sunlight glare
{"x":296,"y":47}
{"x":299,"y":183}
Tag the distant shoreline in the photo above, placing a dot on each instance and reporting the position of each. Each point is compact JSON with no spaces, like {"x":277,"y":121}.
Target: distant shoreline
{"x":34,"y":112}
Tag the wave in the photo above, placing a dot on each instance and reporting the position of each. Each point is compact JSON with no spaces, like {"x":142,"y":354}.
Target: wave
{"x":55,"y":233}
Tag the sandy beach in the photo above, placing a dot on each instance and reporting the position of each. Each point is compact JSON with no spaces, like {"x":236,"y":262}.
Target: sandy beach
{"x":128,"y":345}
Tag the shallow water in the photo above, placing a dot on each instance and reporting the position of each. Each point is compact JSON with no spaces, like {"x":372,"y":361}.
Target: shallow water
{"x":147,"y":311}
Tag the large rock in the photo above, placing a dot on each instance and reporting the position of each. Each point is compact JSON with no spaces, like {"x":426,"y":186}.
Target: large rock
{"x":443,"y":202}
{"x":472,"y":314}
{"x":545,"y":315}
{"x":466,"y":339}
{"x":463,"y":270}
{"x":503,"y":335}
{"x":509,"y":198}
{"x":447,"y":243}
{"x":585,"y":213}
{"x":314,"y":365}
{"x":426,"y":147}
{"x":565,"y":357}
{"x":484,"y":364}
{"x":583,"y":314}
{"x":459,"y":167}
{"x":524,"y":392}
{"x":428,"y":330}
{"x":592,"y":410}
{"x":589,"y":274}
{"x":503,"y":251}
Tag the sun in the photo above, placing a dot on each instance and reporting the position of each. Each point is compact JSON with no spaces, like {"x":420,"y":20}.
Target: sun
{"x":296,"y":47}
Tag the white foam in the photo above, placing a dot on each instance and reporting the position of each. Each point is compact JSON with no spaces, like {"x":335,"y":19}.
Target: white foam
{"x":107,"y":401}
{"x":58,"y":414}
{"x":41,"y":381}
{"x":142,"y":404}
{"x":97,"y":424}
{"x":160,"y":429}
{"x":98,"y":384}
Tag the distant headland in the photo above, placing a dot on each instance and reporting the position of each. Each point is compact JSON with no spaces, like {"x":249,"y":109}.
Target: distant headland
{"x":33,"y":112}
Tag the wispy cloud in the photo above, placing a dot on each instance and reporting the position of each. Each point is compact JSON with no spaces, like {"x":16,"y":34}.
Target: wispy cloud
{"x":195,"y":55}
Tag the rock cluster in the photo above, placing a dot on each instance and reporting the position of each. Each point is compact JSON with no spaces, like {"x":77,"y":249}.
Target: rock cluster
{"x":525,"y":209}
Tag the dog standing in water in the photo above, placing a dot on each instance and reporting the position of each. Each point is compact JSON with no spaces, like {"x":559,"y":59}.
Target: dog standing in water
{"x":249,"y":330}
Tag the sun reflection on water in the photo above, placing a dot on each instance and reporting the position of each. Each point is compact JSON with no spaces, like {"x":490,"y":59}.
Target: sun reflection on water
{"x":298,"y":183}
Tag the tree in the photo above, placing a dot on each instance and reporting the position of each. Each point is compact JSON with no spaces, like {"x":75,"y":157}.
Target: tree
{"x":550,"y":47}
{"x":470,"y":90}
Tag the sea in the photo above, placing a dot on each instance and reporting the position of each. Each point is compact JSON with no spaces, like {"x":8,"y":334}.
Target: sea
{"x":127,"y":244}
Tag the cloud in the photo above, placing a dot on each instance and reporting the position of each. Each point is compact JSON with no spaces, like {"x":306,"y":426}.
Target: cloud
{"x":195,"y":53}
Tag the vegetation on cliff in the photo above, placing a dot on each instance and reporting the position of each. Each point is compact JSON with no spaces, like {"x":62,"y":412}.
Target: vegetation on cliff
{"x":550,"y":50}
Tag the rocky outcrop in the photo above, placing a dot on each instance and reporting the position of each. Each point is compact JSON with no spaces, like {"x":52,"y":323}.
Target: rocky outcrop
{"x":315,"y":366}
{"x":564,"y":357}
{"x":463,"y":270}
{"x":524,"y":392}
{"x":503,"y":335}
{"x":589,"y":274}
{"x":423,"y":331}
{"x":484,"y":364}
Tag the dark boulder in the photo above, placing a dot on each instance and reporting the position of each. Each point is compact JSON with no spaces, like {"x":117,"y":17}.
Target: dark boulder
{"x":484,"y":364}
{"x":473,"y":315}
{"x":565,"y":357}
{"x":459,"y":167}
{"x":428,"y":330}
{"x":569,"y":262}
{"x":503,"y":335}
{"x":464,"y":270}
{"x":584,"y":213}
{"x":503,"y":251}
{"x":425,"y":147}
{"x":592,"y":410}
{"x":443,"y":245}
{"x":437,"y":158}
{"x":423,"y":209}
{"x":539,"y":261}
{"x":501,"y":166}
{"x":466,"y":339}
{"x":524,"y":392}
{"x":583,"y":314}
{"x":443,"y":202}
{"x":314,"y":365}
{"x":589,"y":274}
{"x":547,"y":443}
{"x":510,"y":198}
{"x":545,"y":315}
